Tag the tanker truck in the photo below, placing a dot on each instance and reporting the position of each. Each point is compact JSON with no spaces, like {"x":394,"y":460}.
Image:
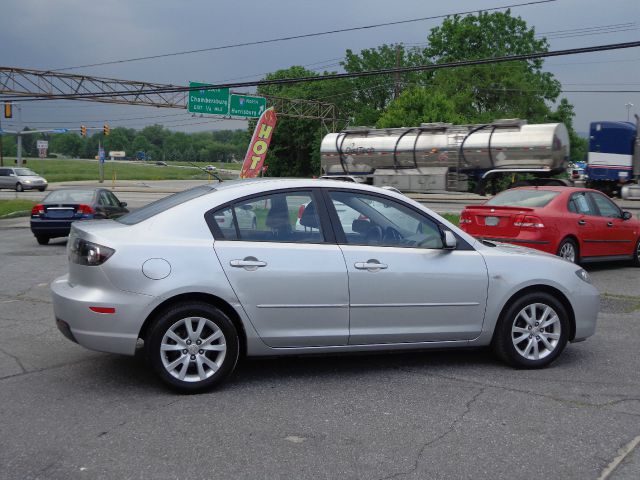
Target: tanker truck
{"x":445,"y":157}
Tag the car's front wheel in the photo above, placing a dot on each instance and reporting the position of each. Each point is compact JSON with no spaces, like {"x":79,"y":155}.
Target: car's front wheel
{"x":532,"y":332}
{"x":42,"y":240}
{"x":193,"y":346}
{"x":568,"y":250}
{"x":19,"y":187}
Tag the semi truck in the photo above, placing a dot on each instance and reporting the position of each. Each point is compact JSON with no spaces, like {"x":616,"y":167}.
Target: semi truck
{"x":445,"y":157}
{"x":613,"y":162}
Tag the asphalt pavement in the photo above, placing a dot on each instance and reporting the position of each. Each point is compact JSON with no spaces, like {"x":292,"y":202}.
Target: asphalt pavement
{"x":67,"y":412}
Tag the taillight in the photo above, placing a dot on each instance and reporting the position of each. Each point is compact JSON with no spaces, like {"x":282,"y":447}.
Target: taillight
{"x":85,"y":209}
{"x":300,"y":211}
{"x":528,"y":221}
{"x":37,"y":210}
{"x":87,"y":253}
{"x":464,"y":218}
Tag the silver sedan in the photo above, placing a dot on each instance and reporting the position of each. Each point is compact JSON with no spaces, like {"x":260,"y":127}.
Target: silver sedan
{"x":200,"y":288}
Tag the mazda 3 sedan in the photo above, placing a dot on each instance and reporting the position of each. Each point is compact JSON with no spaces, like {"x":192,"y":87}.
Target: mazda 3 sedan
{"x":183,"y":277}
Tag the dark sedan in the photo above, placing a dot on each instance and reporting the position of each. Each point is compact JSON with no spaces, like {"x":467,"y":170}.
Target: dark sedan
{"x":53,"y":217}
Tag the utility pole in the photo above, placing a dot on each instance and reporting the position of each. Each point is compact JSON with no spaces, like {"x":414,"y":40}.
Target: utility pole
{"x":19,"y":136}
{"x":396,"y":90}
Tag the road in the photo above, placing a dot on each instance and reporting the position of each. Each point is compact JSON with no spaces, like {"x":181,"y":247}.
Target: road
{"x":139,"y":193}
{"x":70,"y":413}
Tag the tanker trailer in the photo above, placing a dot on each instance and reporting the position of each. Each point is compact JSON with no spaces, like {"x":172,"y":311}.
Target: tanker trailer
{"x":444,"y":157}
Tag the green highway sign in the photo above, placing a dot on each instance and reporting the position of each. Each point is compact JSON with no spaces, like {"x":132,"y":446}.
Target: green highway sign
{"x":213,"y":102}
{"x":247,"y":106}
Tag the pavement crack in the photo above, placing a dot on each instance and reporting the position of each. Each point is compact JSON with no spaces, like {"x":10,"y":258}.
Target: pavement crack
{"x":450,"y":429}
{"x":17,"y":360}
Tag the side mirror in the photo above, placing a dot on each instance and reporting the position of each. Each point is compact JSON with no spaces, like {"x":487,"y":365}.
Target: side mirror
{"x":123,"y":204}
{"x":450,"y":242}
{"x":246,"y":207}
{"x":627,"y":215}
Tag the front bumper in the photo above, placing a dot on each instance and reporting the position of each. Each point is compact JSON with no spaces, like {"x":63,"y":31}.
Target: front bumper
{"x":586,"y":304}
{"x":114,"y":333}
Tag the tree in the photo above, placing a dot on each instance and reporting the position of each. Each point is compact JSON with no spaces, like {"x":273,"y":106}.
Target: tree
{"x":294,"y":149}
{"x":69,"y":144}
{"x":484,"y":93}
{"x":371,"y":95}
{"x":564,"y":113}
{"x":420,"y":105}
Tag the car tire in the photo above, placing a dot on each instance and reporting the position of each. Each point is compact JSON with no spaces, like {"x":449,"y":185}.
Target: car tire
{"x":532,"y":332}
{"x":636,"y":254}
{"x":569,"y":250}
{"x":42,"y":189}
{"x":193,"y":346}
{"x":19,"y":187}
{"x":42,"y":240}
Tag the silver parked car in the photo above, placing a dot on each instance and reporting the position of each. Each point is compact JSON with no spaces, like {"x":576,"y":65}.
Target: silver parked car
{"x":200,"y":289}
{"x":20,"y":179}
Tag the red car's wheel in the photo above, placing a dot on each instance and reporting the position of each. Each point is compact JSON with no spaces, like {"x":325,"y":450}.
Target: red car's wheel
{"x":568,"y":250}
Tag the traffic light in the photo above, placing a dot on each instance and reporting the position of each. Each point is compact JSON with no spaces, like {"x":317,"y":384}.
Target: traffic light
{"x":8,"y":110}
{"x":106,"y":129}
{"x":83,"y":130}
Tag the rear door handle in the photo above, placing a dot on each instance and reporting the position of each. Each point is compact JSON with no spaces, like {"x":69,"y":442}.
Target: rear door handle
{"x":248,"y":263}
{"x":371,"y":265}
{"x":609,"y":224}
{"x":581,"y":222}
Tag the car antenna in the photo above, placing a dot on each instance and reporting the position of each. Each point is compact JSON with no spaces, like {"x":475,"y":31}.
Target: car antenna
{"x":213,"y":174}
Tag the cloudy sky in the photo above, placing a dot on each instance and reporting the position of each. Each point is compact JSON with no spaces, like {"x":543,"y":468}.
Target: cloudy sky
{"x":52,"y":34}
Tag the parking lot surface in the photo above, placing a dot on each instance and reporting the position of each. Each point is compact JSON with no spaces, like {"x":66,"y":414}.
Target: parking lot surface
{"x":67,"y":412}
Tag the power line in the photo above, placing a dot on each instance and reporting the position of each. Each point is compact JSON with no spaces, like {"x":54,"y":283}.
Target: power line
{"x":336,"y":76}
{"x":296,"y":37}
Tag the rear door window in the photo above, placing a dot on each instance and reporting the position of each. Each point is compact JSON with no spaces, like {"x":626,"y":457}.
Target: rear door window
{"x":289,"y":217}
{"x":579,"y":203}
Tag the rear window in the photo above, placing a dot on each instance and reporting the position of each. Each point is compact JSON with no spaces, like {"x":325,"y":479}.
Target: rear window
{"x":163,"y":204}
{"x":523,"y":198}
{"x":70,"y":196}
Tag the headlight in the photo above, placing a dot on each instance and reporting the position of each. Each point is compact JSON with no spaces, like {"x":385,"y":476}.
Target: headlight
{"x":27,"y":181}
{"x":583,"y":275}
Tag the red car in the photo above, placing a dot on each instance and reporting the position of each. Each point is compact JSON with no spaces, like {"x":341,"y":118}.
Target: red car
{"x":577,"y":224}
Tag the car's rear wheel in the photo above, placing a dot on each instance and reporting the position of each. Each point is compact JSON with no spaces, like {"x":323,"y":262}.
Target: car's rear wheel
{"x":568,"y":250}
{"x":193,"y":346}
{"x":42,"y":240}
{"x":636,"y":254}
{"x":532,"y":332}
{"x":19,"y":187}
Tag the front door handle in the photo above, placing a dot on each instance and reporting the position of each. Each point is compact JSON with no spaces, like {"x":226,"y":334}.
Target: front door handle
{"x":581,"y":222}
{"x":371,"y":265}
{"x":248,"y":263}
{"x":609,"y":224}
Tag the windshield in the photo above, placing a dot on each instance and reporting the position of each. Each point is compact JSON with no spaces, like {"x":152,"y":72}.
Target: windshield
{"x":523,"y":198}
{"x":163,"y":204}
{"x":25,"y":172}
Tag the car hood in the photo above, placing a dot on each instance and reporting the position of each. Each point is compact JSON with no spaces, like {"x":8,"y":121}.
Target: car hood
{"x":509,"y":248}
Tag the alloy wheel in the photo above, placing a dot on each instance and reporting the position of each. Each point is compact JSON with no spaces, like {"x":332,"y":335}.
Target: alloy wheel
{"x":193,"y":349}
{"x":568,"y":252}
{"x":536,"y":331}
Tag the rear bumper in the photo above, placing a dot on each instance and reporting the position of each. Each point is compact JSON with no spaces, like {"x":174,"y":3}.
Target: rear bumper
{"x":114,"y":333}
{"x":51,"y":228}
